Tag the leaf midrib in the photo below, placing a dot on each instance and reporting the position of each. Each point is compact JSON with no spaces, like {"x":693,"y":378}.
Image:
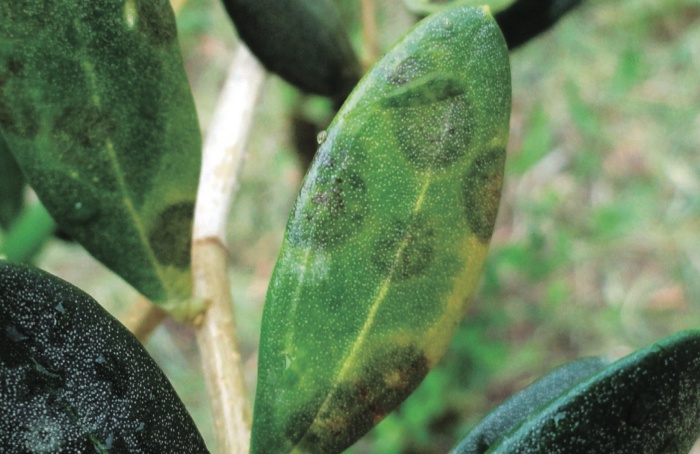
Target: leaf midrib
{"x":382,"y":292}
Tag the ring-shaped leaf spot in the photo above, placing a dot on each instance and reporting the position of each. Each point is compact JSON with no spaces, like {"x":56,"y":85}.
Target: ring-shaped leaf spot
{"x":516,"y":409}
{"x":331,"y":206}
{"x":75,"y":380}
{"x":379,"y":259}
{"x":644,"y":403}
{"x":481,"y":189}
{"x":95,"y":106}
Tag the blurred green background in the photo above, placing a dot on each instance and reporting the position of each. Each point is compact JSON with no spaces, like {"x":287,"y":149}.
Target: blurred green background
{"x":596,"y":248}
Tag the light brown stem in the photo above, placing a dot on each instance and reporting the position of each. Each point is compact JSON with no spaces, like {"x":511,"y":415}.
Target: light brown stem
{"x":143,"y":317}
{"x":216,"y":337}
{"x":216,"y":328}
{"x":369,"y":32}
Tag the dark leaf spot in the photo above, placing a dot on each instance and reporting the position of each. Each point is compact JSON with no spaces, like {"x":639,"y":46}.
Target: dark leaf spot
{"x":84,"y":125}
{"x":157,"y":22}
{"x":332,"y":208}
{"x":170,"y":236}
{"x":436,"y":136}
{"x":406,"y":249}
{"x":22,"y":119}
{"x":481,"y":190}
{"x":425,"y":91}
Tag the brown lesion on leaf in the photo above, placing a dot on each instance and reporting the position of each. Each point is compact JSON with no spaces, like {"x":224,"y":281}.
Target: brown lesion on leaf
{"x":481,"y":191}
{"x":356,"y":406}
{"x":170,"y":237}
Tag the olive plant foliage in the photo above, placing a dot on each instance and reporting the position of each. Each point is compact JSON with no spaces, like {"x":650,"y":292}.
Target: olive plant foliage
{"x":383,"y":248}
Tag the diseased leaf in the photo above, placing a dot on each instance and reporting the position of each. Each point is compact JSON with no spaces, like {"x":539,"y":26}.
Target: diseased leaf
{"x":74,"y":380}
{"x":95,"y":105}
{"x":387,"y":238}
{"x":304,"y":41}
{"x":645,"y":403}
{"x":12,"y":185}
{"x":518,"y":407}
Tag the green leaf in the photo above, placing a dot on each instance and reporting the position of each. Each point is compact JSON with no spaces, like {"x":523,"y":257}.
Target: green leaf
{"x":646,"y":402}
{"x":12,"y":185}
{"x":387,"y":238}
{"x":95,"y":106}
{"x":518,"y":407}
{"x":75,"y":380}
{"x":304,"y":41}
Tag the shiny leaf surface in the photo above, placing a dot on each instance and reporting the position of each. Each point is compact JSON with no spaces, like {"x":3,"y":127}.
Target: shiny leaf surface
{"x":646,"y":402}
{"x":74,"y":380}
{"x":516,"y":409}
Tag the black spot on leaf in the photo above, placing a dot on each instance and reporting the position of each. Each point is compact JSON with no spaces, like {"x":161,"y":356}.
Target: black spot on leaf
{"x":84,"y":125}
{"x":435,"y":136}
{"x":481,"y":189}
{"x":406,"y":249}
{"x":15,"y":66}
{"x":170,"y":236}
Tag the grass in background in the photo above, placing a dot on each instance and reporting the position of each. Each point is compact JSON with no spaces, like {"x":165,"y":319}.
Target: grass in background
{"x":596,"y":248}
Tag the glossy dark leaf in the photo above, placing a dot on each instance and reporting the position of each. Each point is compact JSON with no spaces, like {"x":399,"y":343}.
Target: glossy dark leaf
{"x":304,"y":41}
{"x":515,"y":410}
{"x":95,"y":105}
{"x":645,"y":403}
{"x":74,"y":380}
{"x":526,"y":19}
